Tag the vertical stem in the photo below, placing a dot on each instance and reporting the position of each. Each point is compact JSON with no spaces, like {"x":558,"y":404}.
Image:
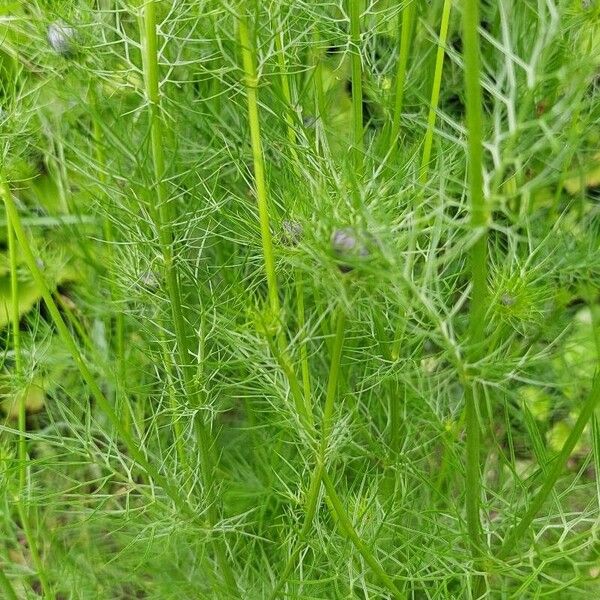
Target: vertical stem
{"x":251,"y":82}
{"x":332,"y":382}
{"x":395,"y":421}
{"x":109,"y":238}
{"x":248,"y":57}
{"x":317,"y":474}
{"x":163,"y":220}
{"x":478,"y":259}
{"x":317,"y":64}
{"x":71,"y":346}
{"x":407,"y":18}
{"x":6,"y":586}
{"x":357,"y":89}
{"x":14,"y":299}
{"x":303,"y":349}
{"x":286,"y":88}
{"x":435,"y":91}
{"x":23,"y":458}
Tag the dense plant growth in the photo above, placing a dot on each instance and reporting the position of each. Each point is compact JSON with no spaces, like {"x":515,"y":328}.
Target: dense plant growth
{"x":299,"y":299}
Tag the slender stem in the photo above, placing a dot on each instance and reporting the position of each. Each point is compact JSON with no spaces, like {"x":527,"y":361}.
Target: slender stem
{"x":23,"y":458}
{"x":479,"y":223}
{"x":251,"y":80}
{"x":71,"y":346}
{"x":357,"y":88}
{"x":473,"y":472}
{"x":303,"y":345}
{"x":435,"y":91}
{"x":317,"y":63}
{"x":332,"y":382}
{"x":6,"y":586}
{"x":163,"y":219}
{"x":109,"y":238}
{"x":16,"y":338}
{"x":317,"y":474}
{"x":286,"y":88}
{"x":407,"y":17}
{"x":395,"y":420}
{"x":178,"y":431}
{"x":514,"y":535}
{"x":281,"y":353}
{"x":347,"y":526}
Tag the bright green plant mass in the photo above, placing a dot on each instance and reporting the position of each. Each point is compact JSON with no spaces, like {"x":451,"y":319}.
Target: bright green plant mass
{"x":299,"y":299}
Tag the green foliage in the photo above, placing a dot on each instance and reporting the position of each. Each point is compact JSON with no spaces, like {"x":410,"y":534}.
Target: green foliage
{"x":243,"y":365}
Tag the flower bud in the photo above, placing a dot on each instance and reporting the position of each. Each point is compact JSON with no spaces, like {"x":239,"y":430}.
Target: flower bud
{"x":61,"y":38}
{"x":346,"y":244}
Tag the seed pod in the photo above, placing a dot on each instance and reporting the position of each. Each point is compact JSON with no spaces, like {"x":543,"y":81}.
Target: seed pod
{"x":61,"y":38}
{"x":507,"y":299}
{"x":291,"y":232}
{"x":346,"y":244}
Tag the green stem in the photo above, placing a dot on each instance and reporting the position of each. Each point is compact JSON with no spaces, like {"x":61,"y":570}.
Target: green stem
{"x":515,"y":534}
{"x":303,"y":344}
{"x":395,"y":419}
{"x":317,"y":474}
{"x":15,"y":317}
{"x":348,"y":528}
{"x":332,"y":383}
{"x":23,"y":458}
{"x":407,"y":17}
{"x":251,"y":80}
{"x":317,"y":64}
{"x":478,"y":260}
{"x":7,"y":586}
{"x":71,"y":346}
{"x":281,"y":353}
{"x":286,"y":89}
{"x":109,"y":238}
{"x":357,"y":88}
{"x":435,"y":92}
{"x":163,"y":219}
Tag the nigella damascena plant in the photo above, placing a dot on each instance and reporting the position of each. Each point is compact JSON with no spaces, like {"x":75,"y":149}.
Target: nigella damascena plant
{"x":62,"y":38}
{"x":347,"y":245}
